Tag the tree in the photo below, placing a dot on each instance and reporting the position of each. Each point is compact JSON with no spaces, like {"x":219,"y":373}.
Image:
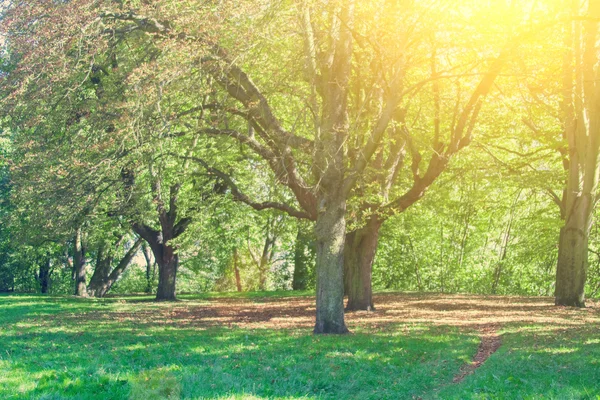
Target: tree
{"x":580,"y":110}
{"x":345,"y":159}
{"x":105,"y":276}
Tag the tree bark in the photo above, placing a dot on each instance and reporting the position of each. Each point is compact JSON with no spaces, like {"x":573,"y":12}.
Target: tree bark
{"x":330,"y":231}
{"x":150,"y":270}
{"x":359,"y":253}
{"x":573,"y":258}
{"x":167,"y":275}
{"x":165,"y":256}
{"x":101,"y":271}
{"x":79,"y":265}
{"x":107,"y":278}
{"x":44,"y":276}
{"x":581,"y":113}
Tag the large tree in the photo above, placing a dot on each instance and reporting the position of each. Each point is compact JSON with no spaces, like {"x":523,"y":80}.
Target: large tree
{"x":581,"y":113}
{"x":367,"y":88}
{"x":362,"y":93}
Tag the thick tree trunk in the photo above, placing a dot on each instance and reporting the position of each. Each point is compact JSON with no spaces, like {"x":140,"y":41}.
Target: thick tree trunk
{"x":359,"y":254}
{"x":44,"y":277}
{"x":79,"y":270}
{"x":106,"y":277}
{"x":581,"y":113}
{"x":101,"y":272}
{"x":573,"y":257}
{"x":330,"y":231}
{"x":166,"y":259}
{"x":168,"y":265}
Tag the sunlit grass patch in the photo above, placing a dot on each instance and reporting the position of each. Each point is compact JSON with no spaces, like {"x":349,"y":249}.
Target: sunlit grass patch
{"x":62,"y":348}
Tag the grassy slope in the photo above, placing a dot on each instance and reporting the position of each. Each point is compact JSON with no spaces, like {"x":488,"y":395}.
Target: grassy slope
{"x":50,"y":349}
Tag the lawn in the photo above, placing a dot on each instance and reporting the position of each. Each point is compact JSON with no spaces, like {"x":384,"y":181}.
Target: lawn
{"x":256,"y":346}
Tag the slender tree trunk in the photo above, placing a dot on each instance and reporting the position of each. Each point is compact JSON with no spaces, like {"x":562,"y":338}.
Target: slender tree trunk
{"x":359,"y":253}
{"x":265,"y":261}
{"x":79,"y":265}
{"x":504,"y":245}
{"x":44,"y":276}
{"x":149,"y":268}
{"x":236,"y":271}
{"x":330,"y":231}
{"x":416,"y":260}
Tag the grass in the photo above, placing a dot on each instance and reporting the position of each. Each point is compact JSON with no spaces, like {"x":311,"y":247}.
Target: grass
{"x":131,"y":348}
{"x":535,"y":362}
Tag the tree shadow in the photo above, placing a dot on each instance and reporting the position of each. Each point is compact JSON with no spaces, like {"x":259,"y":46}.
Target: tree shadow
{"x":230,"y":362}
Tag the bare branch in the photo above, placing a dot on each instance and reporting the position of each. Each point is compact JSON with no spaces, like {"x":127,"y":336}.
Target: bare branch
{"x":240,"y":196}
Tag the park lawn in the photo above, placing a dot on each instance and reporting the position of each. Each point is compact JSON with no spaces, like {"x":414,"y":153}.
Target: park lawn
{"x":260,"y":346}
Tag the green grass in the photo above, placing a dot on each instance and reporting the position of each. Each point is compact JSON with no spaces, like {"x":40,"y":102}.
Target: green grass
{"x":535,"y":362}
{"x":65,"y":348}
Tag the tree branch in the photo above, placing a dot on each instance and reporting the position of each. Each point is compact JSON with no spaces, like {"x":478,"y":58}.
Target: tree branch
{"x":240,"y":196}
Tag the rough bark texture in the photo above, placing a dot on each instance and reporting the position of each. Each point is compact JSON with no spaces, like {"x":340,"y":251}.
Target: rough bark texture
{"x":330,"y":232}
{"x":572,"y":263}
{"x":359,"y":254}
{"x":171,"y":226}
{"x":167,"y":275}
{"x":101,"y":271}
{"x":79,"y":265}
{"x":581,"y":113}
{"x":104,"y":276}
{"x":165,"y":256}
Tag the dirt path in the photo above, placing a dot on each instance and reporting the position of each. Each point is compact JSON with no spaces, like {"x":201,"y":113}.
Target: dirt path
{"x":490,"y":342}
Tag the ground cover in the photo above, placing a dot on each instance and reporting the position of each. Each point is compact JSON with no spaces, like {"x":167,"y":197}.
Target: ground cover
{"x":260,"y":346}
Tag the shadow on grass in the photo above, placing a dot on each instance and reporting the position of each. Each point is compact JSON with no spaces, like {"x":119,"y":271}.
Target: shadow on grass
{"x":62,"y":348}
{"x":221,"y":362}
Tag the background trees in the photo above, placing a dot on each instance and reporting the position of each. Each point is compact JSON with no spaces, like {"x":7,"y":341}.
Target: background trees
{"x":158,"y":122}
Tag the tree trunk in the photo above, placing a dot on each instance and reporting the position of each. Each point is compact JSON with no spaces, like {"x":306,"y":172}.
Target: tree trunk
{"x":44,"y":276}
{"x":265,"y":260}
{"x":167,"y":274}
{"x":504,"y":245}
{"x":101,"y":271}
{"x":573,"y":258}
{"x":581,"y":112}
{"x":107,"y":278}
{"x":149,"y":268}
{"x":330,"y":231}
{"x":359,"y":253}
{"x":79,"y":262}
{"x":236,"y":271}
